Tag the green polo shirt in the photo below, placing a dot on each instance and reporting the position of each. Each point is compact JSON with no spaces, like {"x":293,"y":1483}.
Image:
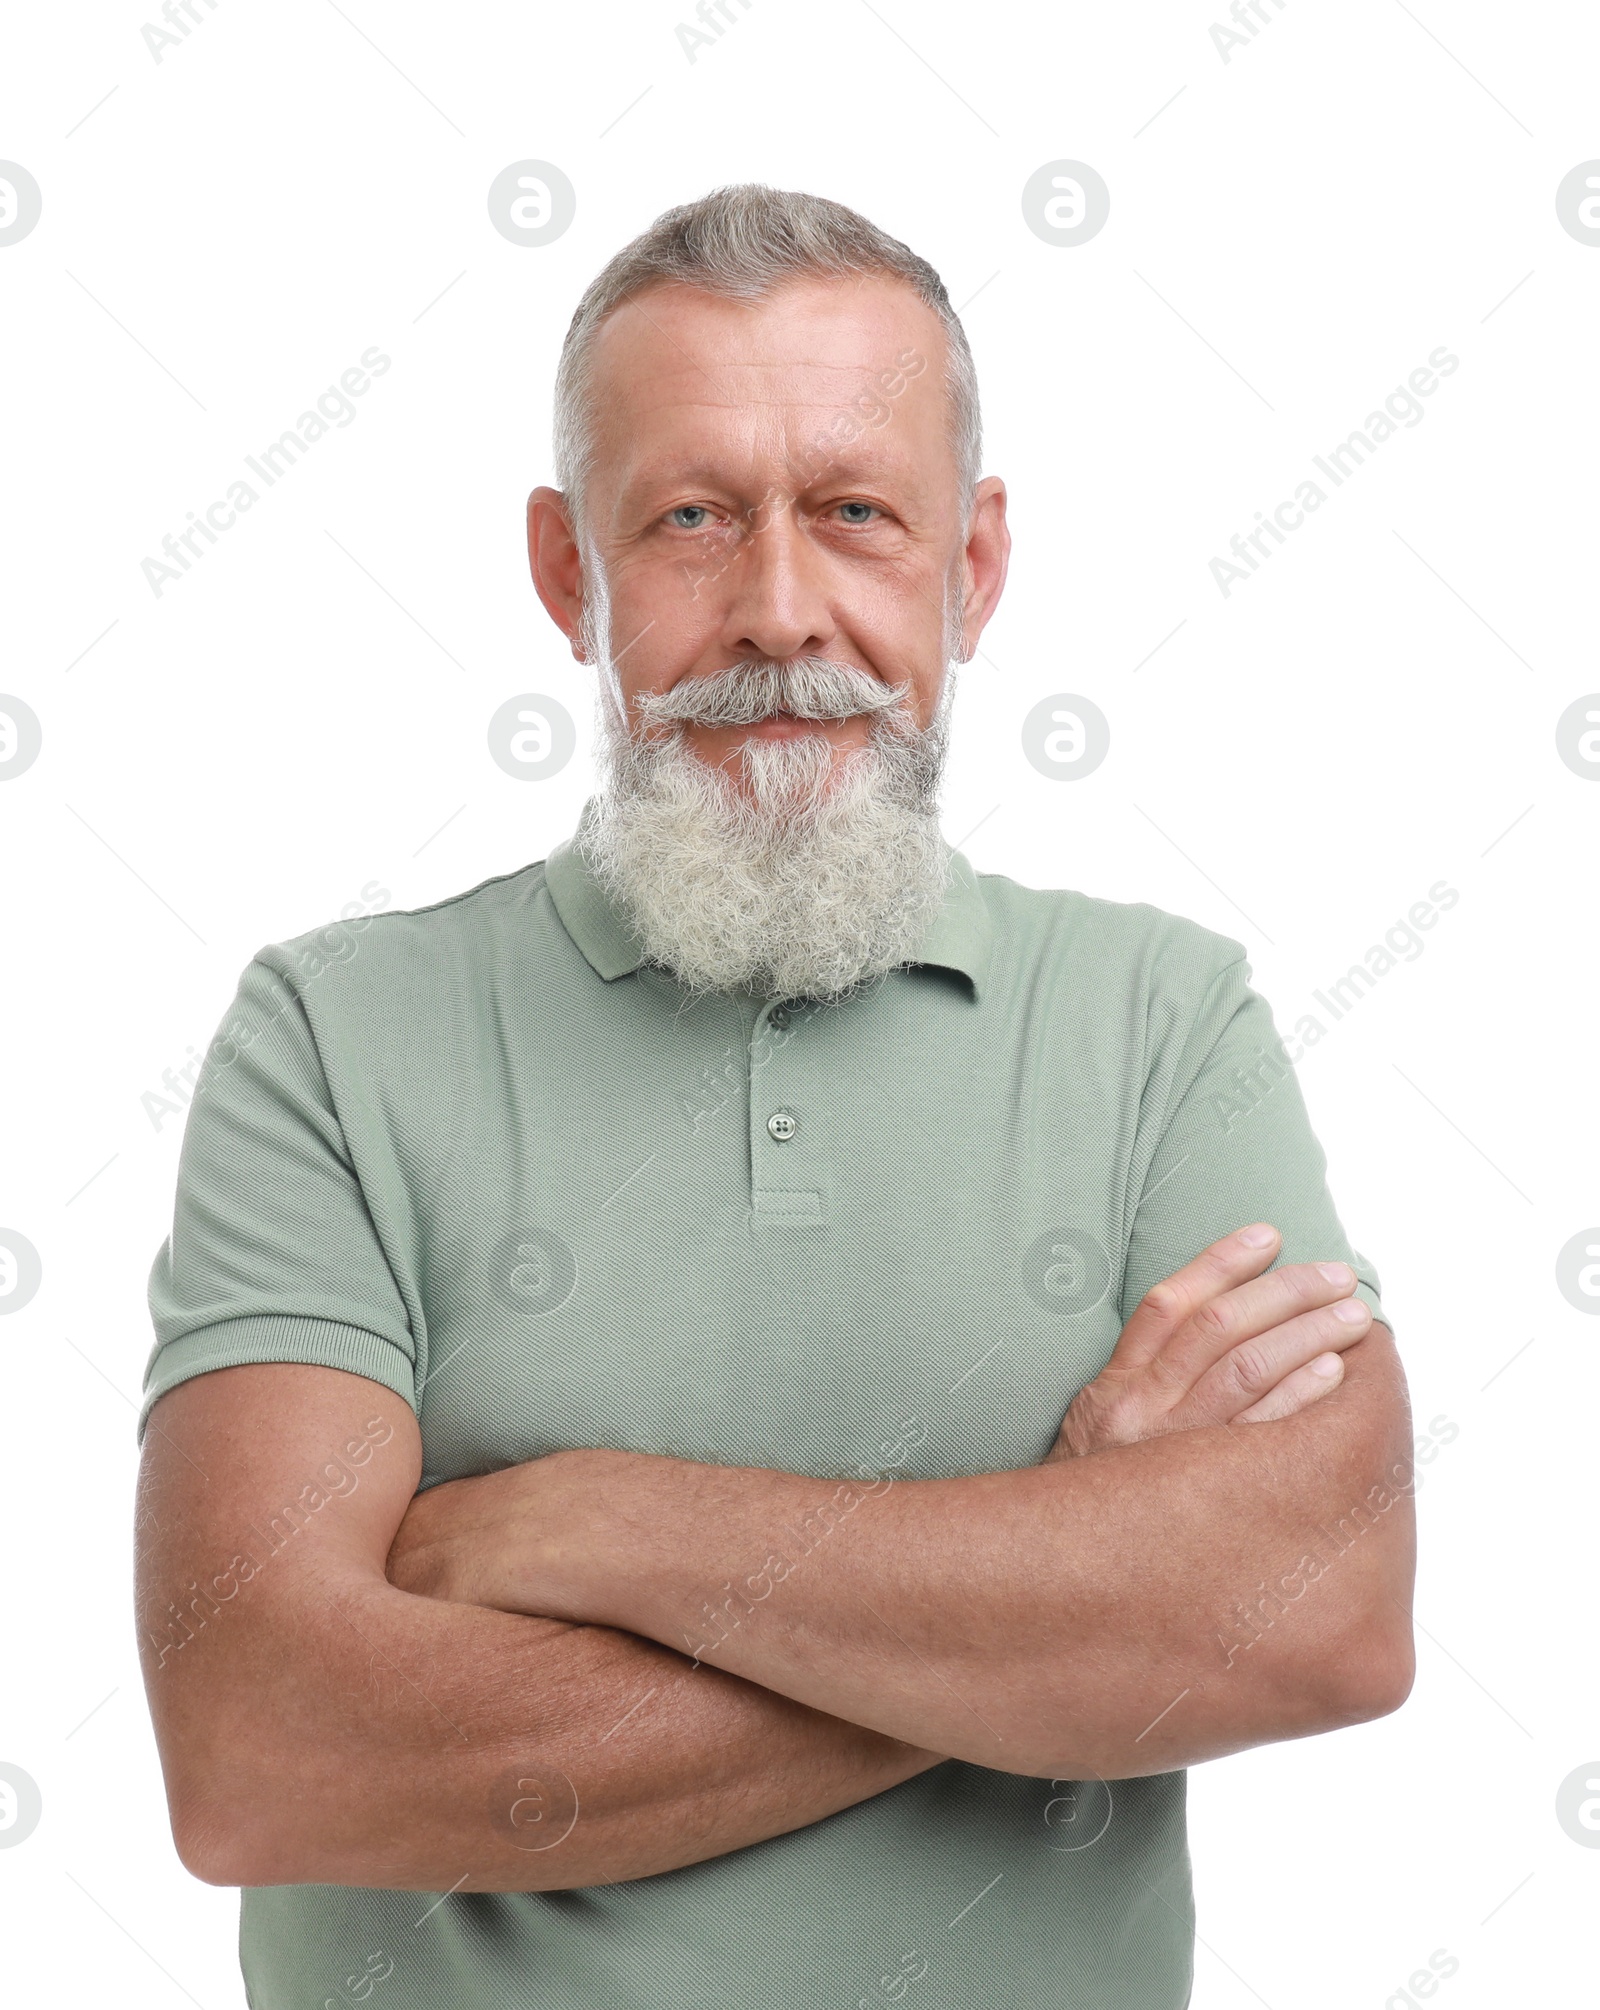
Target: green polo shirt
{"x":480,"y":1155}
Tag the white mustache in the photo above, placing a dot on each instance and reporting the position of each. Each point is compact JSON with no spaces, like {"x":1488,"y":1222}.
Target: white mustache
{"x":811,"y":687}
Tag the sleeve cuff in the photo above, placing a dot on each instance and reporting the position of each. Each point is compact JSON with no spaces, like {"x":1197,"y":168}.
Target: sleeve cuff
{"x":323,"y":1343}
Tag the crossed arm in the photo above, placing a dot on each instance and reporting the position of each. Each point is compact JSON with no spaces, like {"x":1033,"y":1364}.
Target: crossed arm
{"x":522,"y":1682}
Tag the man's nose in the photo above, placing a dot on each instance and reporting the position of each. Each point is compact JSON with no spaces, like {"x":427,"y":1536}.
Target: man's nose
{"x":779,"y":605}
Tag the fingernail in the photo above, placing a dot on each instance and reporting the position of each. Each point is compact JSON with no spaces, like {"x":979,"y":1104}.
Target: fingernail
{"x":1327,"y":1366}
{"x":1259,"y":1236}
{"x":1351,"y":1310}
{"x":1337,"y":1273}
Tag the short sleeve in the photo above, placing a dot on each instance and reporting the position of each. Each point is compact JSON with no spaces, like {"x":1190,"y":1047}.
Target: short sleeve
{"x":274,"y":1254}
{"x":1237,"y":1147}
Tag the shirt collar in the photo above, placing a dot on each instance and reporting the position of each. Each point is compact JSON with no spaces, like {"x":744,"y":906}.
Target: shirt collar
{"x":958,"y":938}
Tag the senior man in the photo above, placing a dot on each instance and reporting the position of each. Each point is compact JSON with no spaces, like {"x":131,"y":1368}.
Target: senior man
{"x":736,"y":1405}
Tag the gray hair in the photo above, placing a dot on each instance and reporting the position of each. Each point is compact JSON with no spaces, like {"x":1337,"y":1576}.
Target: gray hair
{"x":743,"y":242}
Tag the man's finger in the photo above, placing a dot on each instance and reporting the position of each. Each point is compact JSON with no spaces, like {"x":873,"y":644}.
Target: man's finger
{"x":1165,"y":1306}
{"x":1249,"y":1372}
{"x":1254,"y":1310}
{"x":1296,"y":1391}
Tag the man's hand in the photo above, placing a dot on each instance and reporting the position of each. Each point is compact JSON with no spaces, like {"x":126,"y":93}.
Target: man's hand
{"x":1218,"y":1343}
{"x":449,"y":1538}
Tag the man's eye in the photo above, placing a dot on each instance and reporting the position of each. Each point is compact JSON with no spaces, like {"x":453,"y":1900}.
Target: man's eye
{"x":697,"y":510}
{"x":869,"y":510}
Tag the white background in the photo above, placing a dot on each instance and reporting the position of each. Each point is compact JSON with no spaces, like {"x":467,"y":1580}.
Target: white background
{"x":1292,"y":232}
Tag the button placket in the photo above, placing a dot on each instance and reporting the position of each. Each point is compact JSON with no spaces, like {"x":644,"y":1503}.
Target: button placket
{"x":782,"y":1124}
{"x":780,"y":1187}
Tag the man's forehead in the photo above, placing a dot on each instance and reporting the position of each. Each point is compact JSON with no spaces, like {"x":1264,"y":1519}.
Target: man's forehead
{"x":843,"y":329}
{"x":725,"y":441}
{"x":802,"y":452}
{"x":718,"y":384}
{"x":702,"y":387}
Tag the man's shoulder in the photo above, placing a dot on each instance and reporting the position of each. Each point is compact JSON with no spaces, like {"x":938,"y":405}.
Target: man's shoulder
{"x":1131,"y":944}
{"x":450,"y":942}
{"x":475,"y":908}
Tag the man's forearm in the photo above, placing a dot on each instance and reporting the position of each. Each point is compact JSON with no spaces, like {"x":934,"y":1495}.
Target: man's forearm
{"x":319,"y":1725}
{"x":1086,"y":1616}
{"x":432,"y":1746}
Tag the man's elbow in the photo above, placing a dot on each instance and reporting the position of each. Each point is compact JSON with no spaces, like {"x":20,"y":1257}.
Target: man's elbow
{"x":1373,"y":1670}
{"x":220,"y":1843}
{"x":208,"y":1847}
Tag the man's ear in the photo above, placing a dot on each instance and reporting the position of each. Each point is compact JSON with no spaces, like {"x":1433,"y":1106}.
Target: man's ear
{"x":556,"y":564}
{"x":985,"y":559}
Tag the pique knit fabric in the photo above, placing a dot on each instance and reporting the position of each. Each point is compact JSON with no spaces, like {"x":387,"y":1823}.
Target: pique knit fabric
{"x":480,"y":1154}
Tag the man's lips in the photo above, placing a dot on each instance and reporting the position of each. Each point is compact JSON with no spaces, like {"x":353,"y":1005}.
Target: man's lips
{"x":786,"y":726}
{"x":772,"y":726}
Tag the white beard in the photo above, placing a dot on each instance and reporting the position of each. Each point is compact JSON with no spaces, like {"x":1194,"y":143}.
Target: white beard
{"x":824,"y":877}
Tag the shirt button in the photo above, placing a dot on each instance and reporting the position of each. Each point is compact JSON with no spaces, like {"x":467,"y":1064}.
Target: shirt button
{"x":781,"y":1126}
{"x":778,"y":1016}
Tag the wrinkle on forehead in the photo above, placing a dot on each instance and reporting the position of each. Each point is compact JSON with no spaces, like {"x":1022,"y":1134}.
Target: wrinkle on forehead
{"x":730,"y":386}
{"x":787,"y":336}
{"x":670,"y":406}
